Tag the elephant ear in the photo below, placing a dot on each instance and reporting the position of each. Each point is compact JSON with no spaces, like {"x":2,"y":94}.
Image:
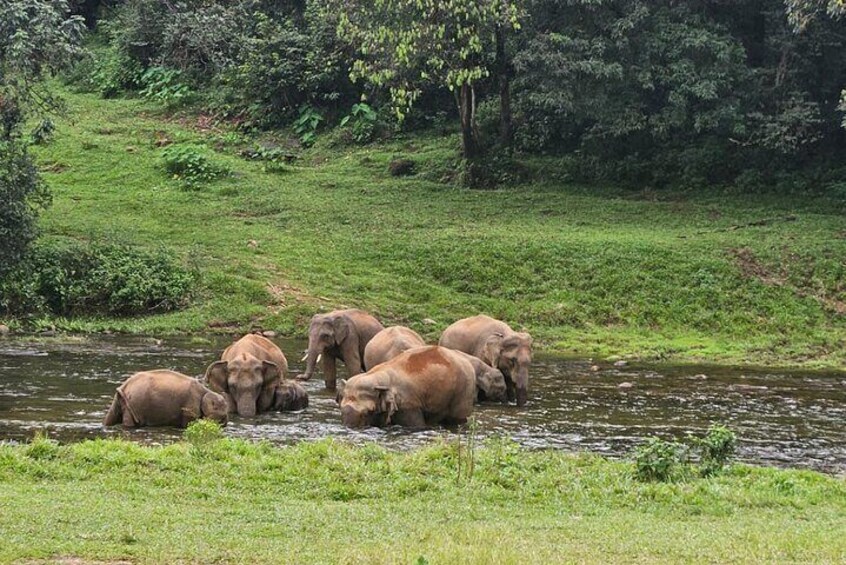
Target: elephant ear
{"x":342,"y":328}
{"x":385,"y":403}
{"x":492,"y":349}
{"x":216,"y":376}
{"x":270,"y":371}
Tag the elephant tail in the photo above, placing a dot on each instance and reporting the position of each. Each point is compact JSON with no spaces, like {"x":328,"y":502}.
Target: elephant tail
{"x":115,"y":413}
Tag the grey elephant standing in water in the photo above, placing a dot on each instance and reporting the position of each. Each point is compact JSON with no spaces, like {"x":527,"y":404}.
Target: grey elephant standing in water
{"x":290,"y":397}
{"x":496,"y":344}
{"x":164,"y":398}
{"x":342,"y":334}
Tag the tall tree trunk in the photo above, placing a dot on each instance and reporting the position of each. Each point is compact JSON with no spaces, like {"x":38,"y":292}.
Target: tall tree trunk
{"x":503,"y":67}
{"x":466,"y":110}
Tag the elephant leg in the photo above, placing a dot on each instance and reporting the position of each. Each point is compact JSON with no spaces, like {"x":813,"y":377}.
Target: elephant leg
{"x":352,"y":358}
{"x":413,"y":419}
{"x":329,"y":371}
{"x":128,"y":420}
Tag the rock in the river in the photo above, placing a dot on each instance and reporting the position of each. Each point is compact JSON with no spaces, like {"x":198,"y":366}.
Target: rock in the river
{"x":268,"y":333}
{"x":700,"y":377}
{"x":429,"y":321}
{"x":4,"y":330}
{"x":595,"y":368}
{"x":625,"y":385}
{"x":621,"y":363}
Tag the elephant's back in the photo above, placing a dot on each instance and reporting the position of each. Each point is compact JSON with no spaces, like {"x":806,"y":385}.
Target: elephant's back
{"x":259,"y":347}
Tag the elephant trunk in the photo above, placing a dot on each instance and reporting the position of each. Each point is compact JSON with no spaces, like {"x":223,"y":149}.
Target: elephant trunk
{"x":522,"y":385}
{"x":311,"y":362}
{"x":246,"y":405}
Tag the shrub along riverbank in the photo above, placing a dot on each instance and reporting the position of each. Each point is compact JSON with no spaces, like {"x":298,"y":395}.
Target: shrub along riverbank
{"x":320,"y":502}
{"x":685,"y":276}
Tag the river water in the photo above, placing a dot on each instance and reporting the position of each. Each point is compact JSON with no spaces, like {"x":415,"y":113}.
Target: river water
{"x":794,"y":419}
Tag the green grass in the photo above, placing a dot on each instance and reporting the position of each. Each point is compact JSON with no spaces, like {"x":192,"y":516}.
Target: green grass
{"x":328,"y":502}
{"x":587,"y":270}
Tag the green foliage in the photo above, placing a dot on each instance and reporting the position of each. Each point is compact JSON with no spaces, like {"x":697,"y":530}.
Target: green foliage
{"x":43,"y":132}
{"x":202,"y":433}
{"x":23,"y":195}
{"x":306,"y":125}
{"x":716,"y":449}
{"x":70,"y":278}
{"x":164,"y":85}
{"x":664,"y":461}
{"x":660,"y":460}
{"x":362,"y":121}
{"x":192,"y":164}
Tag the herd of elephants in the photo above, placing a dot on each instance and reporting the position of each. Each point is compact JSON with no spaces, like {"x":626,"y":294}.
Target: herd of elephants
{"x":395,"y":377}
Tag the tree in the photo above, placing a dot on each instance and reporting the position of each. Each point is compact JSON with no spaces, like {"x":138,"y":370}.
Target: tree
{"x":407,"y":44}
{"x":37,"y":38}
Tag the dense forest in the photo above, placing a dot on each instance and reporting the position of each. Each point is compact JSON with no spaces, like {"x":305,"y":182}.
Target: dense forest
{"x":685,"y":93}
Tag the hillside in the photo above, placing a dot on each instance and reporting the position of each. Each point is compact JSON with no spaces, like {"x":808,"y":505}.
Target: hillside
{"x":591,"y":271}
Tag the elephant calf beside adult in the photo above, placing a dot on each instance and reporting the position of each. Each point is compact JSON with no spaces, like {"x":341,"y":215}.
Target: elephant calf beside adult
{"x":342,"y":334}
{"x":495,"y":343}
{"x":164,"y":398}
{"x":420,"y":387}
{"x":248,"y":374}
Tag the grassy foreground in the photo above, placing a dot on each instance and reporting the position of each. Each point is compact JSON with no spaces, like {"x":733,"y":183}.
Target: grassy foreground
{"x":327,"y":502}
{"x":594,"y":271}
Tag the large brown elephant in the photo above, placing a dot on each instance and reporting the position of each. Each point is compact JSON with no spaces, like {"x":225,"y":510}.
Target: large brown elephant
{"x":420,"y":387}
{"x":290,"y":396}
{"x":389,"y":343}
{"x":496,"y":344}
{"x":248,"y":373}
{"x":164,"y":398}
{"x":342,"y":334}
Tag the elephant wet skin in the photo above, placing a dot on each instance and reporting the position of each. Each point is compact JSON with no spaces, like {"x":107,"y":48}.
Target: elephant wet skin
{"x":389,"y":343}
{"x":290,"y":397}
{"x":248,"y":374}
{"x":496,"y":344}
{"x":420,"y":387}
{"x":342,"y":334}
{"x":490,"y":382}
{"x":164,"y":398}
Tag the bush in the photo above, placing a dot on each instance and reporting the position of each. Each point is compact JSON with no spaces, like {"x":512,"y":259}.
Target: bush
{"x":202,"y":432}
{"x":362,"y":121}
{"x":716,"y":450}
{"x":192,"y":164}
{"x":660,"y":460}
{"x":66,"y":277}
{"x":164,"y":85}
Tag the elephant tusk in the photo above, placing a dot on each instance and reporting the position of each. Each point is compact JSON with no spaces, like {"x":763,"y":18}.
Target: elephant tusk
{"x":304,"y":358}
{"x":318,"y":357}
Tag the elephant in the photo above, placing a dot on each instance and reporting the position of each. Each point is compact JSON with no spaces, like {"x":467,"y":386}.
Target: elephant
{"x":420,"y":387}
{"x":490,"y":382}
{"x":289,"y":397}
{"x":248,"y":373}
{"x":496,"y":344}
{"x":389,"y":343}
{"x":342,"y":334}
{"x":164,"y":398}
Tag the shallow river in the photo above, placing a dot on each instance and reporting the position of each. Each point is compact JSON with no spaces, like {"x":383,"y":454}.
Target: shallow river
{"x":795,"y":419}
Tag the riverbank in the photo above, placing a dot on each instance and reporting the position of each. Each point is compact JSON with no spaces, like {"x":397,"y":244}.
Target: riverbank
{"x":329,"y":502}
{"x":589,"y":271}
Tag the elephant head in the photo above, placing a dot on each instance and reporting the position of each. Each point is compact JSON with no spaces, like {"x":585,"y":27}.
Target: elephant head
{"x":363,"y":406}
{"x":491,"y":383}
{"x":329,"y":332}
{"x":289,"y":397}
{"x":214,"y":407}
{"x":250,"y":382}
{"x":511,"y":354}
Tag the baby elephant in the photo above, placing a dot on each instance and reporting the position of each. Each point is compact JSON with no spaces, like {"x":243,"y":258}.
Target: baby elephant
{"x":290,"y":397}
{"x":164,"y":398}
{"x":490,"y":382}
{"x":421,"y":387}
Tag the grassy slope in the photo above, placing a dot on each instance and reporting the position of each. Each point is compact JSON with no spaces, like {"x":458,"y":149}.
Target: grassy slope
{"x":588,"y":271}
{"x":328,"y":502}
